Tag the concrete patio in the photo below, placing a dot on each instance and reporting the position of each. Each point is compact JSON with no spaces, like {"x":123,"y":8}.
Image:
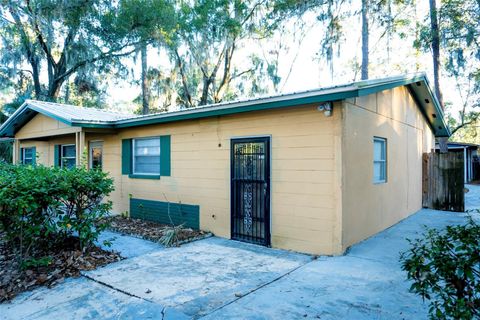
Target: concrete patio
{"x":222,"y":279}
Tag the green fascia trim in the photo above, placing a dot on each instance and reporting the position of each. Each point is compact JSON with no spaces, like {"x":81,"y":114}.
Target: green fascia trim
{"x":422,"y":109}
{"x":357,"y":89}
{"x":7,"y":126}
{"x":9,"y":123}
{"x":410,"y":82}
{"x":49,"y":114}
{"x":369,"y":89}
{"x":144,"y":176}
{"x":419,"y":93}
{"x":234,"y":110}
{"x":93,"y":125}
{"x":438,"y":108}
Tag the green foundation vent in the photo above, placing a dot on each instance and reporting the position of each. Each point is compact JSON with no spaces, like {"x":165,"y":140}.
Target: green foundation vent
{"x":157,"y":211}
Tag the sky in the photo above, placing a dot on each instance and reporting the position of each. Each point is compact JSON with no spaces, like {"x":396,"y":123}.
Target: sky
{"x":303,"y":68}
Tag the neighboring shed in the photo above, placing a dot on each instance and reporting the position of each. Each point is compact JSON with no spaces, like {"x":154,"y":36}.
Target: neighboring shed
{"x":470,"y":158}
{"x":314,"y":171}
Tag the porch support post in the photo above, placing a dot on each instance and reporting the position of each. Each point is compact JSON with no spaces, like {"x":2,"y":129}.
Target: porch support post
{"x":465,"y":164}
{"x":80,"y":148}
{"x":16,"y":151}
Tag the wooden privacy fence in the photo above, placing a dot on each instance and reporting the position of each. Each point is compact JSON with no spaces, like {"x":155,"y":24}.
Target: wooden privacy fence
{"x":443,"y":181}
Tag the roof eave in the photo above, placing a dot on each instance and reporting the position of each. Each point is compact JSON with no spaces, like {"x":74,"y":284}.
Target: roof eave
{"x":8,"y":126}
{"x":434,"y":117}
{"x":236,"y":108}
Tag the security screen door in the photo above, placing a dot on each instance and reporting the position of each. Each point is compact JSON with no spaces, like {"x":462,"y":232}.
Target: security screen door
{"x":250,"y":190}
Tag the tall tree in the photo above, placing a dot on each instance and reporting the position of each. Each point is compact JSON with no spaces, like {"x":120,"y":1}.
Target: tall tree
{"x":148,"y":23}
{"x":61,"y":37}
{"x":450,"y":34}
{"x":145,"y":89}
{"x":365,"y":39}
{"x":459,"y":27}
{"x":209,"y":35}
{"x":435,"y":41}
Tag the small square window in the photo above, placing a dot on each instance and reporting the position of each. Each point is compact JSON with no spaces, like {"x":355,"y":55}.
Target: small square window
{"x":379,"y":160}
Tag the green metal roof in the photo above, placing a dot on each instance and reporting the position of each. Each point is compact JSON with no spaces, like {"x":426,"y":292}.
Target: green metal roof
{"x":416,"y":83}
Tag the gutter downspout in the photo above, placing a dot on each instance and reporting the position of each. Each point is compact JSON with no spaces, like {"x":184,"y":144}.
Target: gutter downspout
{"x":465,"y":178}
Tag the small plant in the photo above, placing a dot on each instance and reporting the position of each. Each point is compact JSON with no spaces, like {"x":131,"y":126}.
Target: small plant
{"x":170,"y":236}
{"x":445,"y":269}
{"x":36,"y":262}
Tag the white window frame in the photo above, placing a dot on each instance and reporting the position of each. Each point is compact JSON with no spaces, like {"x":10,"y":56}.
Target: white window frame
{"x":61,"y":153}
{"x":23,"y":155}
{"x":383,"y":161}
{"x":133,"y":157}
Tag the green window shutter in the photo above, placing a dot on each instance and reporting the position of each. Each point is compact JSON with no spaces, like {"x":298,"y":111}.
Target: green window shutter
{"x":126,"y":156}
{"x":56,"y":155}
{"x":21,"y":155}
{"x":165,"y":156}
{"x":34,"y":156}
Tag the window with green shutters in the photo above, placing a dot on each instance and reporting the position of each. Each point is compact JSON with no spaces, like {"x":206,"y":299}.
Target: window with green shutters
{"x":65,"y":155}
{"x":146,"y":157}
{"x":28,"y":155}
{"x":68,"y":156}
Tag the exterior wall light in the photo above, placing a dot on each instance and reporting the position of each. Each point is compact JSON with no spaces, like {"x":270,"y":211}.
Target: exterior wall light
{"x":326,"y":107}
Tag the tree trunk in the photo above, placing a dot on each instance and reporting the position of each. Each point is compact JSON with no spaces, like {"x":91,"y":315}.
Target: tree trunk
{"x":67,"y":92}
{"x":206,"y":86}
{"x":36,"y":77}
{"x":54,"y":89}
{"x":435,"y":49}
{"x":365,"y":35}
{"x":145,"y":93}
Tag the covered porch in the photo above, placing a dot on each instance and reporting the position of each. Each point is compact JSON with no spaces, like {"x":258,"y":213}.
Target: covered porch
{"x":80,"y":147}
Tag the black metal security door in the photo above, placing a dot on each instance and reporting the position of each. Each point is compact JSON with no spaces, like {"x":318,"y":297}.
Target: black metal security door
{"x":250,"y":190}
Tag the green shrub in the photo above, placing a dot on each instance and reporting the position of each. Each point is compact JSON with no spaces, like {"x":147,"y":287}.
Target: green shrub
{"x":27,"y":196}
{"x":41,"y":206}
{"x":83,"y":192}
{"x":445,"y":269}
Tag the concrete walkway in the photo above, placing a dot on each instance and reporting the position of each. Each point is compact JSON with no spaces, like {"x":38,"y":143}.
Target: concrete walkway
{"x":222,"y":279}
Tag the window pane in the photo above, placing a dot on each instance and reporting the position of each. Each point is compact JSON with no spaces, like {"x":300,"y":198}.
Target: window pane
{"x":378,"y":150}
{"x":97,"y":157}
{"x":377,"y":176}
{"x":146,"y":147}
{"x":68,"y":151}
{"x":28,"y":153}
{"x":69,"y":163}
{"x":147,"y":156}
{"x":383,"y":171}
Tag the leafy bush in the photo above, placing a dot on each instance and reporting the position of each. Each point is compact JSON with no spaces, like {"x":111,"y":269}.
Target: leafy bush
{"x":42,"y":206}
{"x":82,"y":207}
{"x":26,"y":194}
{"x":445,"y":269}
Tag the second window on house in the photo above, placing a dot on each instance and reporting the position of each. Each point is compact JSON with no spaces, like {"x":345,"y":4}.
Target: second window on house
{"x":146,"y":156}
{"x":28,"y":155}
{"x":68,"y":156}
{"x":379,"y":160}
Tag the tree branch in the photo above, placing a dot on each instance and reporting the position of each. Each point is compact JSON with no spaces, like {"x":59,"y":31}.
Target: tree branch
{"x":40,"y":38}
{"x":184,"y":78}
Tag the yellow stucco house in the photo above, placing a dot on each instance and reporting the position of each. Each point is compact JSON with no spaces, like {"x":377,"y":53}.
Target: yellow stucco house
{"x":314,"y":171}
